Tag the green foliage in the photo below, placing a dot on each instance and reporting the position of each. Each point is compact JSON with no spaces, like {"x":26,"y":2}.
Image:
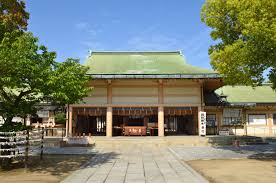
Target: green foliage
{"x":60,"y":118}
{"x":13,"y":127}
{"x":12,"y":16}
{"x":24,"y":68}
{"x":246,"y":41}
{"x":69,"y":82}
{"x":29,"y":75}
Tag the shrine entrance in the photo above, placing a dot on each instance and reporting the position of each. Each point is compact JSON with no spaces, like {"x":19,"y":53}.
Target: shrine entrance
{"x":134,"y":121}
{"x":180,"y":121}
{"x":139,"y":121}
{"x":89,"y":121}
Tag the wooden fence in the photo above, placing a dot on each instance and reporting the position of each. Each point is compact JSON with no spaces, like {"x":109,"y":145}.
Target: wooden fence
{"x":21,"y":144}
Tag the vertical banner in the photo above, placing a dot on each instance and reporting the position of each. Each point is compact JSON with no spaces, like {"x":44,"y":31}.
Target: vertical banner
{"x":202,"y":121}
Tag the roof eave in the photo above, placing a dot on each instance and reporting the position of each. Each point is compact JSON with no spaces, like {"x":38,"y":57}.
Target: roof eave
{"x":155,"y":76}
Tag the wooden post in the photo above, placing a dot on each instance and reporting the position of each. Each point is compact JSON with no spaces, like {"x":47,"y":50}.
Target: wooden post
{"x":70,"y":121}
{"x":42,"y":139}
{"x":270,"y":124}
{"x":67,"y":121}
{"x":199,"y":109}
{"x":109,"y":122}
{"x":160,"y":121}
{"x":27,"y":150}
{"x":160,"y":92}
{"x":62,"y":134}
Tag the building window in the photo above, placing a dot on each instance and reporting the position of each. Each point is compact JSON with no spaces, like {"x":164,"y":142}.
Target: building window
{"x":211,"y":120}
{"x":274,"y":119}
{"x":232,"y":116}
{"x":43,"y":114}
{"x":231,"y":120}
{"x":257,"y":119}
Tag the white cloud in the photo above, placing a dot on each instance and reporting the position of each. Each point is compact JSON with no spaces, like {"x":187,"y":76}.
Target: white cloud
{"x":82,"y":25}
{"x":152,"y":40}
{"x":195,"y":48}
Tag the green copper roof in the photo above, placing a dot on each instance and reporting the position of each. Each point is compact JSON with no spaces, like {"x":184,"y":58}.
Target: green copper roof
{"x":247,"y":94}
{"x":141,"y":63}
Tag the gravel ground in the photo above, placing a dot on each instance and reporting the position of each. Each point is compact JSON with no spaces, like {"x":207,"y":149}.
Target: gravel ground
{"x":226,"y":152}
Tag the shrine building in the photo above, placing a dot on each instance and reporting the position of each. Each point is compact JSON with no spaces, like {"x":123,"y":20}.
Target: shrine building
{"x":160,"y":94}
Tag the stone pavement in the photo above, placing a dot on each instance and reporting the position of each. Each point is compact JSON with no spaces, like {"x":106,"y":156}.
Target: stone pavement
{"x":133,"y":164}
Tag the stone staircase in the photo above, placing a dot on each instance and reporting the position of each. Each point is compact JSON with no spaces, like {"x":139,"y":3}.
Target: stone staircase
{"x":150,"y":141}
{"x":188,"y":141}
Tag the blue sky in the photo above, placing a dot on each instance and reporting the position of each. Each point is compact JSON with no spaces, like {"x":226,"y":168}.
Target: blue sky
{"x":72,"y":28}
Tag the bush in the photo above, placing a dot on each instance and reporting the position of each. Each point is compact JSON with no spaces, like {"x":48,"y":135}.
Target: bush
{"x":60,"y":118}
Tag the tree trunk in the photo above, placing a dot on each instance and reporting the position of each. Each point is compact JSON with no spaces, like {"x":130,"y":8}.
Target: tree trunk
{"x":8,"y":120}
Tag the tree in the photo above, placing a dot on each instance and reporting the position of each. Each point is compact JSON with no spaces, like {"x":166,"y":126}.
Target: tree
{"x":12,"y":16}
{"x":69,"y":83}
{"x":244,"y":31}
{"x":29,"y":75}
{"x":24,"y":68}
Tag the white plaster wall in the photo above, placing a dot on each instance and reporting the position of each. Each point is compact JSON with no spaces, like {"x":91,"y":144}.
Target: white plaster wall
{"x":95,"y":100}
{"x":135,"y":100}
{"x":135,"y":91}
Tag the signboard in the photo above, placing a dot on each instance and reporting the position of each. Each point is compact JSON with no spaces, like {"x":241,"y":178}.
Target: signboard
{"x":202,"y":121}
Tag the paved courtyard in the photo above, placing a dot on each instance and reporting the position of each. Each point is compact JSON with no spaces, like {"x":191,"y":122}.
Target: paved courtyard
{"x":132,"y":163}
{"x":152,"y":162}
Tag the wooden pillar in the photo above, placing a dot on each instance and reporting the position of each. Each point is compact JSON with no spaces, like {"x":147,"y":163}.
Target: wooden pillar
{"x":160,"y":121}
{"x":244,"y":121}
{"x":67,"y":123}
{"x":270,"y":124}
{"x":109,"y":92}
{"x":160,"y":92}
{"x":109,"y":122}
{"x":219,"y":120}
{"x":70,"y":121}
{"x":160,"y":109}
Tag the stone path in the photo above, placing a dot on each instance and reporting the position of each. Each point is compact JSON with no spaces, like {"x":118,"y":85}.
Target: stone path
{"x":133,"y":164}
